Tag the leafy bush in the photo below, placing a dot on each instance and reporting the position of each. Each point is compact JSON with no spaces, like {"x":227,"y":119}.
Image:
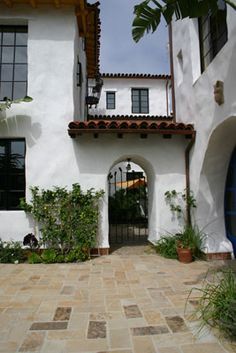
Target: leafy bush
{"x":34,"y":258}
{"x":67,"y":219}
{"x":217,"y":304}
{"x":11,"y":252}
{"x":166,"y":246}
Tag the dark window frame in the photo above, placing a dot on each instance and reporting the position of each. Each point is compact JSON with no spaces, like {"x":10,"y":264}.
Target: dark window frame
{"x":14,"y":65}
{"x":110,"y":100}
{"x":216,"y":35}
{"x":8,"y":172}
{"x":138,"y":106}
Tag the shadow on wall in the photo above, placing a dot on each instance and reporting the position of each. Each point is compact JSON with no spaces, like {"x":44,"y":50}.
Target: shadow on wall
{"x":210,"y":211}
{"x":20,"y":126}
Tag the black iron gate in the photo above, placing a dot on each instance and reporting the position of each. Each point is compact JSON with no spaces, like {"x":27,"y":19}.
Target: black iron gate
{"x":128,"y":207}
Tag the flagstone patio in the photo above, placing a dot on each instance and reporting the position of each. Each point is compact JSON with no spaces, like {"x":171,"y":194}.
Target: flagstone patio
{"x":131,"y":301}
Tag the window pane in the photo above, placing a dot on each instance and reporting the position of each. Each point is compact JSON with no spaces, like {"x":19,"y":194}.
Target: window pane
{"x":231,"y":223}
{"x":2,"y":147}
{"x":20,"y":73}
{"x":18,"y":147}
{"x":21,"y":55}
{"x":230,"y":200}
{"x":2,"y":200}
{"x":21,"y":38}
{"x":17,"y":182}
{"x":8,"y":38}
{"x":2,"y":182}
{"x":14,"y":199}
{"x":5,"y":90}
{"x":7,"y":72}
{"x":7,"y":54}
{"x":20,"y":89}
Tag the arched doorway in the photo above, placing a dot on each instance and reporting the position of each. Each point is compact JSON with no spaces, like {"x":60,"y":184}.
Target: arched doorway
{"x":230,"y":201}
{"x":128,"y":204}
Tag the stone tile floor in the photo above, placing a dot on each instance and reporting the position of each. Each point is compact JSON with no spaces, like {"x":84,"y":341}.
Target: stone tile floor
{"x":132,"y":301}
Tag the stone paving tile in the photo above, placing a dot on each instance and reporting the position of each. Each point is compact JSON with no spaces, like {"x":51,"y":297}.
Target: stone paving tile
{"x":62,"y":314}
{"x":32,"y":342}
{"x":176,"y":324}
{"x":46,"y":326}
{"x":149,"y":330}
{"x":132,"y":311}
{"x":97,"y":329}
{"x":51,"y":308}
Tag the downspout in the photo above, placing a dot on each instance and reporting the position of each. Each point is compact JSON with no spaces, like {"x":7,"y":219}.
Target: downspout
{"x":172,"y":71}
{"x":187,"y":173}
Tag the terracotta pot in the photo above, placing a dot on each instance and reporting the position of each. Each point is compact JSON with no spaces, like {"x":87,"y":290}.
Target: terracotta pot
{"x":184,"y":255}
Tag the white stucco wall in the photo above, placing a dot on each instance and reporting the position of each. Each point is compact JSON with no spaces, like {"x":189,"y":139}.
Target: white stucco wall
{"x":195,"y":103}
{"x":122,"y":88}
{"x":162,"y":160}
{"x":53,"y":45}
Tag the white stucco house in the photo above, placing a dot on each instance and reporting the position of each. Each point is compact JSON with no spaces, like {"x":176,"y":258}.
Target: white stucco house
{"x":49,"y":48}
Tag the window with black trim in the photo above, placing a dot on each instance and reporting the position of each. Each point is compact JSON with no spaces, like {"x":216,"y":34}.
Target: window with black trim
{"x":140,"y":101}
{"x":111,"y":100}
{"x":12,"y":173}
{"x":13,"y":62}
{"x":213,"y":34}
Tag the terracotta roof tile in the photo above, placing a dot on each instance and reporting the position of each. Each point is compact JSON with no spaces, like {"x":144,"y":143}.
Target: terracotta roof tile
{"x":133,"y":75}
{"x":129,"y":126}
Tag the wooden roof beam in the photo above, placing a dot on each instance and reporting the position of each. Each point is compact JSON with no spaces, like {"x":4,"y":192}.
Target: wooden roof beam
{"x":33,"y":3}
{"x":57,"y":3}
{"x":8,"y":2}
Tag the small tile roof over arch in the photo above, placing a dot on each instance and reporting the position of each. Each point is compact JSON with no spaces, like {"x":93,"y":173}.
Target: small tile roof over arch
{"x":133,"y":75}
{"x":130,"y":126}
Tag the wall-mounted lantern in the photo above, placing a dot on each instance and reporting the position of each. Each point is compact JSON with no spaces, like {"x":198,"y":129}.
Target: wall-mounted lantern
{"x":219,"y":92}
{"x":94,"y":92}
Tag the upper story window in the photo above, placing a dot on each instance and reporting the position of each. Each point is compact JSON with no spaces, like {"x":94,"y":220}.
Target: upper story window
{"x":140,"y":104}
{"x":111,"y":100}
{"x":12,"y":173}
{"x":213,"y":34}
{"x":13,"y":62}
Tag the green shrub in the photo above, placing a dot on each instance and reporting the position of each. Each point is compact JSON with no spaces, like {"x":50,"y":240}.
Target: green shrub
{"x":217,"y":304}
{"x":192,"y":237}
{"x":68,"y":220}
{"x":166,"y":246}
{"x":34,"y":258}
{"x":11,"y":252}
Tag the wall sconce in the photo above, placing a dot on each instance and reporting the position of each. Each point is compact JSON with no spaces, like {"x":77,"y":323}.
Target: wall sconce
{"x":219,"y":92}
{"x":79,"y":74}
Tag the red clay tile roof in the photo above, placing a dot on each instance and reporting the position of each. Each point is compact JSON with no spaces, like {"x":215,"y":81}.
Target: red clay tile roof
{"x":122,"y":75}
{"x":130,"y":126}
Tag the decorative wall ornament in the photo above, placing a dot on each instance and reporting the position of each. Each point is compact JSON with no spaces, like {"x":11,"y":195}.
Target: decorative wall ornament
{"x":219,"y":92}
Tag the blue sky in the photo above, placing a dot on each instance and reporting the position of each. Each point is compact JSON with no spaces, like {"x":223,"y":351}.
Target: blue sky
{"x":119,"y":53}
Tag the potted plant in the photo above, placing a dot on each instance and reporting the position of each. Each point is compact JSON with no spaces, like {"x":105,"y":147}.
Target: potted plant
{"x":189,"y":241}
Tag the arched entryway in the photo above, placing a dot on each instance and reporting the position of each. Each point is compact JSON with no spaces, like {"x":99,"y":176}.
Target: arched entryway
{"x":128,"y":204}
{"x":230,"y":201}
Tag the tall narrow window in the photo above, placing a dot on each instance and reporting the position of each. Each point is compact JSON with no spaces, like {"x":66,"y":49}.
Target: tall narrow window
{"x":13,"y":62}
{"x":140,"y":104}
{"x":111,"y":100}
{"x":12,"y":173}
{"x":213,"y":34}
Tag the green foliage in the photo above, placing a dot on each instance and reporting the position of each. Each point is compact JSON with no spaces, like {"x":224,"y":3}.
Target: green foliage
{"x":166,"y":246}
{"x":34,"y":258}
{"x":67,"y":219}
{"x":11,"y":252}
{"x":217,"y":304}
{"x":49,"y":256}
{"x":192,"y":237}
{"x":124,"y":205}
{"x":147,"y":18}
{"x":176,"y":199}
{"x":8,"y":102}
